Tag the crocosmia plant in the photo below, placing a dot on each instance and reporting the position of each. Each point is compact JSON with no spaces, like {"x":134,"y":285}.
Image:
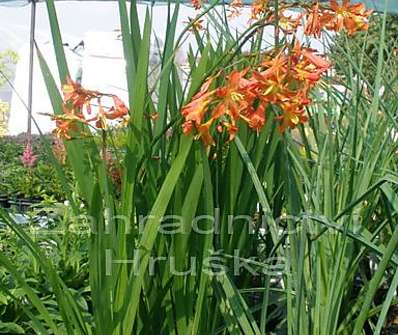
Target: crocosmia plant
{"x":246,"y":183}
{"x":283,"y":78}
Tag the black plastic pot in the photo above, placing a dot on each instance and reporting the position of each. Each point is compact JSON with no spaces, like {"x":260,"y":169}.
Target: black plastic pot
{"x":4,"y":201}
{"x":23,"y":204}
{"x":14,"y":204}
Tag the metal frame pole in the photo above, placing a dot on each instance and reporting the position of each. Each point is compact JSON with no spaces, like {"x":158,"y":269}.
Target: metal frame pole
{"x":31,"y":62}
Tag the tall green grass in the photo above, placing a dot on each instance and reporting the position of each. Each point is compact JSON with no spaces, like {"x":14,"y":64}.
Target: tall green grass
{"x":322,"y":200}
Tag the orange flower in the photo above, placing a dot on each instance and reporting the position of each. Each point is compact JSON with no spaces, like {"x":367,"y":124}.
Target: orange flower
{"x":197,"y":4}
{"x":100,"y":118}
{"x":319,"y":62}
{"x":276,"y":67}
{"x":256,"y":117}
{"x":307,"y":65}
{"x":204,"y":133}
{"x":67,"y":123}
{"x":76,"y":96}
{"x":292,"y":116}
{"x":235,"y":8}
{"x":196,"y":25}
{"x":337,"y":17}
{"x":229,"y":103}
{"x":310,"y":66}
{"x":313,"y":25}
{"x":258,"y":7}
{"x":118,"y":110}
{"x":231,"y":130}
{"x":274,"y":79}
{"x":351,"y":17}
{"x":187,"y":127}
{"x":307,"y":72}
{"x":272,"y":90}
{"x":283,"y":79}
{"x":288,"y":23}
{"x":64,"y":128}
{"x":233,"y":98}
{"x":197,"y":108}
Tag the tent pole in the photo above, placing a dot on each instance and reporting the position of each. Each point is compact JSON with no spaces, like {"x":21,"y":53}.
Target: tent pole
{"x":31,"y":61}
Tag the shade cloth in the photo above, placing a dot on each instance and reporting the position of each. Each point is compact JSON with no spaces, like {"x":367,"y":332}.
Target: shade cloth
{"x":378,"y":5}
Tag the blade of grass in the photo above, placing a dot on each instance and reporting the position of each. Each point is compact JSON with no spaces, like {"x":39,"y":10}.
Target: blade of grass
{"x":149,"y":235}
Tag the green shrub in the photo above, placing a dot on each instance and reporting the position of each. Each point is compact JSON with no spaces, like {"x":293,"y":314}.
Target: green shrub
{"x":17,"y":180}
{"x":60,"y":241}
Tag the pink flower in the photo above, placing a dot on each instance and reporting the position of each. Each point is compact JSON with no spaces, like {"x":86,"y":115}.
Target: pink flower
{"x":28,"y":159}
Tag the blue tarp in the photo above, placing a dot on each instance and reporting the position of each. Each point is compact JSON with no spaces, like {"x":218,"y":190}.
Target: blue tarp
{"x":380,"y":5}
{"x":377,"y":5}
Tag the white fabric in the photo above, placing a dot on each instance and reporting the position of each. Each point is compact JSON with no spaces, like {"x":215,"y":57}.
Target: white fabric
{"x":18,"y":117}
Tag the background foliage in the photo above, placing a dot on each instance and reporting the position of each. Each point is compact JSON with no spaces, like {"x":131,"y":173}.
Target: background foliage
{"x":365,"y":47}
{"x":8,"y":58}
{"x":19,"y":181}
